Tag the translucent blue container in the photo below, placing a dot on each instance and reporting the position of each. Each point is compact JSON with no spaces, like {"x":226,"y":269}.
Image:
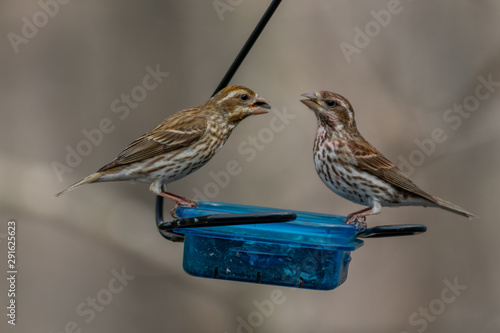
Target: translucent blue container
{"x":311,"y":252}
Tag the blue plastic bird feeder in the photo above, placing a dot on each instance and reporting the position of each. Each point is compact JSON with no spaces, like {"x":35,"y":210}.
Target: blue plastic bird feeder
{"x":253,"y":244}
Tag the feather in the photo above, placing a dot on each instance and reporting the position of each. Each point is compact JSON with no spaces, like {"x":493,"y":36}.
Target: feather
{"x":175,"y":132}
{"x":371,"y":160}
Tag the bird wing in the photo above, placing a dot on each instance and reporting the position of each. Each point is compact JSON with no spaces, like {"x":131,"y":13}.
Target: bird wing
{"x":371,"y":160}
{"x":176,"y":132}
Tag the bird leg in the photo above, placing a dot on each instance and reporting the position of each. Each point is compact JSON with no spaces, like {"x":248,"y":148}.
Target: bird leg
{"x":179,"y":201}
{"x":359,"y":218}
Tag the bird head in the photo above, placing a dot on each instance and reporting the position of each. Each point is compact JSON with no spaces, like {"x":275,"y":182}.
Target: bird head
{"x":238,"y":102}
{"x":331,"y":109}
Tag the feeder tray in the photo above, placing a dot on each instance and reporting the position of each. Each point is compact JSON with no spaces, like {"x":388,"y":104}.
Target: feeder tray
{"x":269,"y":246}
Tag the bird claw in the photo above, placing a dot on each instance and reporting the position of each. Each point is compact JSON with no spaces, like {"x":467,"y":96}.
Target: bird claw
{"x":360,"y":224}
{"x":185,"y":203}
{"x":179,"y":201}
{"x":358,"y":221}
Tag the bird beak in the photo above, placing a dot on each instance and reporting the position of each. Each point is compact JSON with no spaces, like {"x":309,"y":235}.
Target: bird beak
{"x":259,"y":105}
{"x":311,"y":102}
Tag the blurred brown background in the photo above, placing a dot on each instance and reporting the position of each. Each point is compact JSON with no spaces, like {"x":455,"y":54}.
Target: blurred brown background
{"x":68,"y":72}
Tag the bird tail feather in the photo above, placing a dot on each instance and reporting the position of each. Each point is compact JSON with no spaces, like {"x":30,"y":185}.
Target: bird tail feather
{"x":453,"y":208}
{"x":87,"y":180}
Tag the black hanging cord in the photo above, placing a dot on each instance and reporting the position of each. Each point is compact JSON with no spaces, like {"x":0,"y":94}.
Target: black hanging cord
{"x":248,"y":45}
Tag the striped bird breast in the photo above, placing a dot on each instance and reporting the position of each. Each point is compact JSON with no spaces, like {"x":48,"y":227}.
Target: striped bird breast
{"x":178,"y":164}
{"x":337,"y":168}
{"x":201,"y":151}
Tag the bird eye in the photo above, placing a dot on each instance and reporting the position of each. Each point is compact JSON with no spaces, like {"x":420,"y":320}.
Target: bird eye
{"x":330,"y":103}
{"x":244,"y":97}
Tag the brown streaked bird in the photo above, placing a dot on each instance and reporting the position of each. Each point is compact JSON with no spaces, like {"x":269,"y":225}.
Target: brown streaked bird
{"x":181,"y":144}
{"x":352,"y":168}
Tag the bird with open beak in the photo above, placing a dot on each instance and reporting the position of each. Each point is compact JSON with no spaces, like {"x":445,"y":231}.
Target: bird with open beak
{"x":181,"y":144}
